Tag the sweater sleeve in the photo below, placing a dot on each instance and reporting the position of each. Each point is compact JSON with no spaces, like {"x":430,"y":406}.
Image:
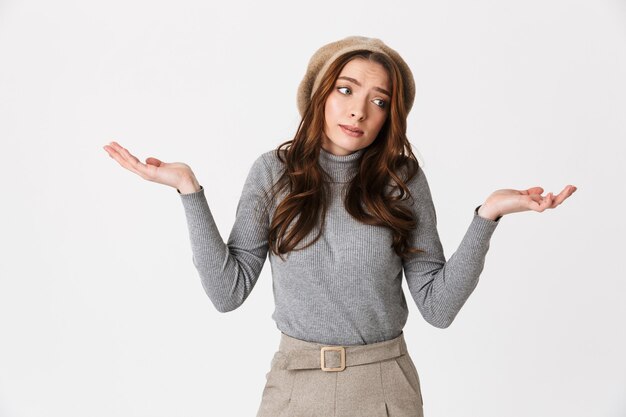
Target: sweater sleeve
{"x":229,"y":271}
{"x":439,"y":287}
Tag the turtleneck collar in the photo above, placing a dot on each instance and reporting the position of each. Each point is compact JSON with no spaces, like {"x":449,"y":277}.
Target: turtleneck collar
{"x":341,"y":168}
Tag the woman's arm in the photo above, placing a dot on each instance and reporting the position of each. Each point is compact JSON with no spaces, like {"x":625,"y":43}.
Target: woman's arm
{"x":439,"y":287}
{"x":229,"y":271}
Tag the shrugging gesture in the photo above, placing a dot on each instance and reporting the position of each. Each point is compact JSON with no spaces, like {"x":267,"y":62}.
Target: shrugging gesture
{"x":508,"y":201}
{"x":175,"y":174}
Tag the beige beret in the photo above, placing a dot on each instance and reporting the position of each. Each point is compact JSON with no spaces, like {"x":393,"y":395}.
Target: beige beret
{"x":324,"y":56}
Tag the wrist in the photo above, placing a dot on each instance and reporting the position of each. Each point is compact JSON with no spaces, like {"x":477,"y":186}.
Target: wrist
{"x":188,"y":186}
{"x":486,"y":212}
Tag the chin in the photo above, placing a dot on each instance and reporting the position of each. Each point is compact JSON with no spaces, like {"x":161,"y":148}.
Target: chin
{"x":346,"y":144}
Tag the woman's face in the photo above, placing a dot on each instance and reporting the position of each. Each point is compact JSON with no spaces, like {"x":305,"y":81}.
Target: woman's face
{"x":360,"y":100}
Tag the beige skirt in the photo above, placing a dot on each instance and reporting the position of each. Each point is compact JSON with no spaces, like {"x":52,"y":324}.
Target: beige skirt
{"x":313,"y":380}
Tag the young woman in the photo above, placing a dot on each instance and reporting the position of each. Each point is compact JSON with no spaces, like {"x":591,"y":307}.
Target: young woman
{"x":344,"y":211}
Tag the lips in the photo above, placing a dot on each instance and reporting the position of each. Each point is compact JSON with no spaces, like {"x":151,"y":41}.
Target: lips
{"x":351,"y":129}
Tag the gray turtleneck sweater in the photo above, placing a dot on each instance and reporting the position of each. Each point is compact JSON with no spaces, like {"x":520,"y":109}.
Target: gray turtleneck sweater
{"x":345,"y":289}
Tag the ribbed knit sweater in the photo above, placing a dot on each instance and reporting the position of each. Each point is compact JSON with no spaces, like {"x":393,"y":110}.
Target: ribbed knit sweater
{"x":345,"y":289}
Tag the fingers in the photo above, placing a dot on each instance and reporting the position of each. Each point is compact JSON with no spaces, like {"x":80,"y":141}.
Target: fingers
{"x":567,"y":191}
{"x":549,"y":201}
{"x":537,"y":198}
{"x":539,"y":203}
{"x":560,"y":198}
{"x":153,"y":161}
{"x":126,"y":159}
{"x":533,"y":190}
{"x":116,"y":152}
{"x":544,"y":202}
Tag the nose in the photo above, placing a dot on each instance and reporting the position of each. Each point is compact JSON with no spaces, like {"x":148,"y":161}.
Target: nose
{"x":358,"y":112}
{"x":358,"y":115}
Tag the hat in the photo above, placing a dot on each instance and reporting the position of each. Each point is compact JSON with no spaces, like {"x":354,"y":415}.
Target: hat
{"x":324,"y":56}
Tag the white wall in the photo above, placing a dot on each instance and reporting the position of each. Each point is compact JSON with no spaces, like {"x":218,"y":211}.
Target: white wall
{"x":101,"y":310}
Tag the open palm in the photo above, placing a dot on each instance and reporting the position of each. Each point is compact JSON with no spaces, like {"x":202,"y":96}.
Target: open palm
{"x":155,"y":170}
{"x":508,"y":201}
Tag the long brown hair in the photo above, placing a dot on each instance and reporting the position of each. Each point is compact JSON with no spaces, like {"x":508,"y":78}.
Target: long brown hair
{"x":380,"y":169}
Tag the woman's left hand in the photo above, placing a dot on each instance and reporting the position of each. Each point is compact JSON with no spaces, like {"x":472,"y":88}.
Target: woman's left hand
{"x":508,"y":201}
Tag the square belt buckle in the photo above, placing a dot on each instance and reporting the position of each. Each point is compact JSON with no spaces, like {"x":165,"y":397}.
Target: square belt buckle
{"x":340,"y":349}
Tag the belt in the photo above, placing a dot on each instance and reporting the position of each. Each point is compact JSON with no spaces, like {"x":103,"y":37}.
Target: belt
{"x":336,"y":358}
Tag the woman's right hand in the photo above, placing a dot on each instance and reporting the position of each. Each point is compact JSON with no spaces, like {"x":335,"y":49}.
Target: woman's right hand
{"x":174,"y":174}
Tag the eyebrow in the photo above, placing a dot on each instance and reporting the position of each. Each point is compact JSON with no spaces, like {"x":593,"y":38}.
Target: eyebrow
{"x":382,"y":90}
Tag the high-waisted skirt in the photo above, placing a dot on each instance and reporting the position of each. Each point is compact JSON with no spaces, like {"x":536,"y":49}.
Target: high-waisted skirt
{"x":309,"y":379}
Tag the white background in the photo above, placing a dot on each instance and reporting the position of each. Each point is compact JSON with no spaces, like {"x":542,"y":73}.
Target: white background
{"x":101,"y":310}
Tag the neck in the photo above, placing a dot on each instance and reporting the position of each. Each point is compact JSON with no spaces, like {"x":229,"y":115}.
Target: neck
{"x":341,"y":168}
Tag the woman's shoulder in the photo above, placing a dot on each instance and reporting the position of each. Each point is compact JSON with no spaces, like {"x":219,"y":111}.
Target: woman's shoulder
{"x":411,"y":173}
{"x":271,"y":156}
{"x":271,"y":160}
{"x":409,"y":170}
{"x":266,"y":168}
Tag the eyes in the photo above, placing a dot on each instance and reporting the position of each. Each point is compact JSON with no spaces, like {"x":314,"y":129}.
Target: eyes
{"x":381,"y":103}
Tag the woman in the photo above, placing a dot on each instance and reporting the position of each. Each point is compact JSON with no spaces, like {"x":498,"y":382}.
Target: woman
{"x":344,"y":210}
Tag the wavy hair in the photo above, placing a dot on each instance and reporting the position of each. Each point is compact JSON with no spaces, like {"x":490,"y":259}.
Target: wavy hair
{"x":376,"y":194}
